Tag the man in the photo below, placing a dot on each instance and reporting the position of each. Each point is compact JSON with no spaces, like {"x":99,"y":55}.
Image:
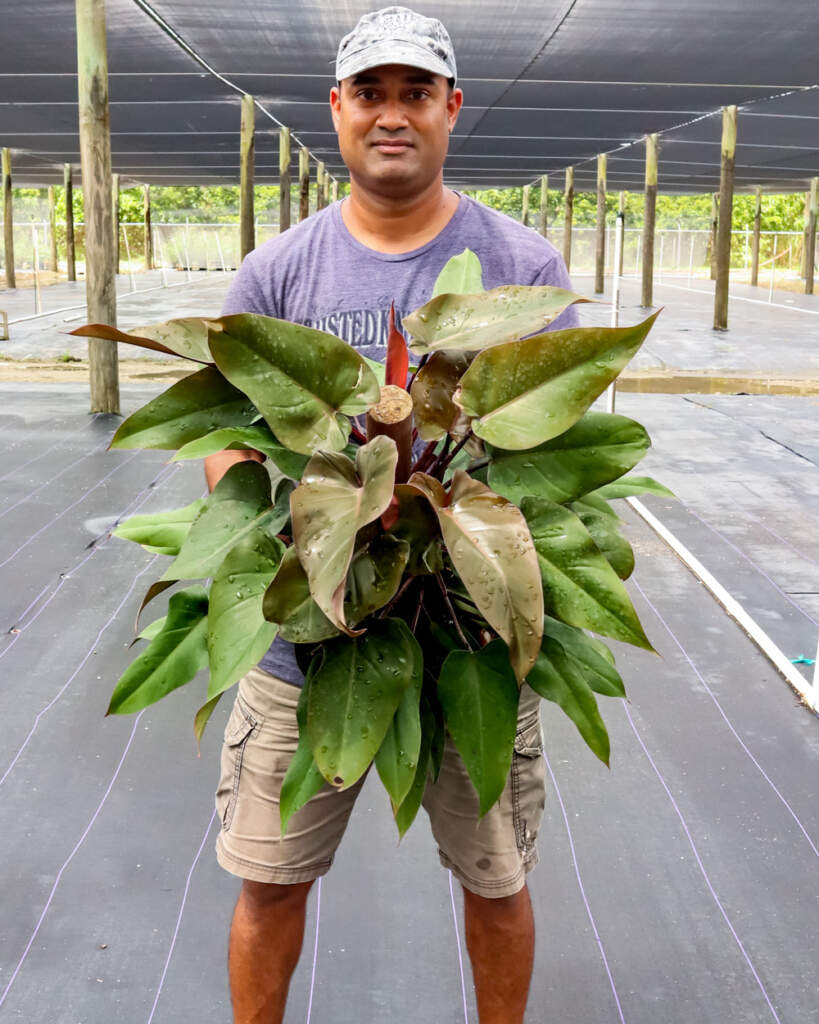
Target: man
{"x":394,"y":107}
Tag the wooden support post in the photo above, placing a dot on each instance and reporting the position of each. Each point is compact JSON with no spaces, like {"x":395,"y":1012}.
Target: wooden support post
{"x":95,"y":152}
{"x":8,"y":221}
{"x":247,"y":146}
{"x":334,"y":190}
{"x":391,"y":417}
{"x":70,"y":250}
{"x":326,"y":187}
{"x":726,"y":211}
{"x":756,"y":237}
{"x":810,"y":235}
{"x":524,"y":215}
{"x":600,"y":248}
{"x":621,"y":211}
{"x":148,"y":243}
{"x":284,"y":179}
{"x":712,"y":237}
{"x":321,"y":171}
{"x":52,"y":229}
{"x":568,"y":213}
{"x":304,"y":183}
{"x":649,"y":215}
{"x":115,"y":217}
{"x":544,"y":204}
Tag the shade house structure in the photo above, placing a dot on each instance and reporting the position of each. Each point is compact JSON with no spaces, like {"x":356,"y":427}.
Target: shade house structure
{"x":677,"y":886}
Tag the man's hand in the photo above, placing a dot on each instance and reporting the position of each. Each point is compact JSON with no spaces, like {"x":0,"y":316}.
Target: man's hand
{"x":217,"y":465}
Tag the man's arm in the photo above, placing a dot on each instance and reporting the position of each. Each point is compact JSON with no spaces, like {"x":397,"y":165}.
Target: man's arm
{"x":217,"y":465}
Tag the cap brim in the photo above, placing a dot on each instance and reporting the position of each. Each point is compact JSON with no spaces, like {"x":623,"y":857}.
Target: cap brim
{"x":379,"y":54}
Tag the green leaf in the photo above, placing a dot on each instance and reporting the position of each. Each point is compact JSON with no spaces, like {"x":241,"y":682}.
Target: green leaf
{"x":605,"y":532}
{"x":579,"y":585}
{"x":161,"y":532}
{"x":479,"y":695}
{"x":260,"y":437}
{"x":171,"y":659}
{"x":475,"y":322}
{"x":186,"y":337}
{"x":461,"y":275}
{"x":190,"y":408}
{"x":288,"y":602}
{"x":303,"y":780}
{"x":629,"y":485}
{"x":411,"y":804}
{"x":202,"y":717}
{"x":238,"y":506}
{"x":592,"y":656}
{"x":302,"y":380}
{"x":489,"y":543}
{"x":334,"y":500}
{"x":374,"y":576}
{"x":558,"y":679}
{"x":526,"y":392}
{"x":599,"y":448}
{"x":417,"y":524}
{"x":238,"y":633}
{"x":432,"y":390}
{"x":152,"y":629}
{"x":379,"y":369}
{"x":397,"y":758}
{"x":354,"y":695}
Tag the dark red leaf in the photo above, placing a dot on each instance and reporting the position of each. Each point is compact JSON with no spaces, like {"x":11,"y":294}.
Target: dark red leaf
{"x":389,"y":517}
{"x":397,"y":355}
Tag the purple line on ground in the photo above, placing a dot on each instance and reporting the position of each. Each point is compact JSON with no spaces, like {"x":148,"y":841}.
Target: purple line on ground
{"x":315,"y":952}
{"x":700,"y":863}
{"x":132,"y":506}
{"x":47,"y":483}
{"x":179,"y":917}
{"x":458,"y":943}
{"x":68,"y":860}
{"x":50,"y":448}
{"x":736,"y":735}
{"x":583,"y":891}
{"x":783,"y":540}
{"x":99,"y":483}
{"x":758,"y":568}
{"x":76,"y":671}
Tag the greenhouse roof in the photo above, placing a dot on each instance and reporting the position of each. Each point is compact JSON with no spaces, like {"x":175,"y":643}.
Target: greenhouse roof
{"x":548,"y":85}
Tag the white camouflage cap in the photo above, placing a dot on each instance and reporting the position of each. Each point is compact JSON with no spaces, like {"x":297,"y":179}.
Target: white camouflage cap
{"x":396,"y":35}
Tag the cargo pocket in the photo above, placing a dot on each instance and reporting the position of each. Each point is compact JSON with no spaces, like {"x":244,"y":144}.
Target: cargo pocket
{"x":240,"y":727}
{"x":528,"y":785}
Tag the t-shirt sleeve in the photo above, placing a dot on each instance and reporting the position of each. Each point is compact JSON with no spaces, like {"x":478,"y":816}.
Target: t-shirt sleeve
{"x":245,"y":294}
{"x":556,"y":274}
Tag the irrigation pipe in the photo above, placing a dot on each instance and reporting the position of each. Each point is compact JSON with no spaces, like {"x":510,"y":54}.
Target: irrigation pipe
{"x":809,"y":692}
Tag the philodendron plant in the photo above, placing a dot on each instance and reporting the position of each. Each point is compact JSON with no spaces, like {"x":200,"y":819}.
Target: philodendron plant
{"x":425,"y":564}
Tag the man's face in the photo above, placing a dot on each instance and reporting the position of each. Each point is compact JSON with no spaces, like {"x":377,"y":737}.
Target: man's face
{"x":393,"y":124}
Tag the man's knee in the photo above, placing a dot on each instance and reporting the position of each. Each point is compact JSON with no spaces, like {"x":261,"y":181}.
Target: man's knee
{"x":262,"y":897}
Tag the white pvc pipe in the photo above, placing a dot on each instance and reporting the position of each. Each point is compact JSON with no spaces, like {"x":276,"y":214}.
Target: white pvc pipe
{"x":38,"y":299}
{"x":809,"y":692}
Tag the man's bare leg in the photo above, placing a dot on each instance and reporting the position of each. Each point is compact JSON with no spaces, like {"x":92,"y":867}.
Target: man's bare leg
{"x":500,"y":938}
{"x":265,"y":942}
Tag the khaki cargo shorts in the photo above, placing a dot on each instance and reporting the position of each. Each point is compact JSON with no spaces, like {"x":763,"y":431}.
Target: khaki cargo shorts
{"x":490,"y":856}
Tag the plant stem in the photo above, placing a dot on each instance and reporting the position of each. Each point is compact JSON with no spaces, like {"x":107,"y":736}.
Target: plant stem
{"x":454,"y":452}
{"x":418,"y":367}
{"x":455,"y":621}
{"x":356,"y":434}
{"x":417,"y":615}
{"x":424,"y":457}
{"x":479,"y":464}
{"x":436,"y":465}
{"x":397,"y":596}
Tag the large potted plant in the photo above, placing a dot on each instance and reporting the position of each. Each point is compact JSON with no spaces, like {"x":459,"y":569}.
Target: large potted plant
{"x":425,"y":561}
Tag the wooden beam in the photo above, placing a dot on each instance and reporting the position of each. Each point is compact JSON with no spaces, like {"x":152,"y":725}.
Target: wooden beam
{"x":148,"y":240}
{"x":810,"y":235}
{"x":52,"y":229}
{"x":8,"y":221}
{"x":712,"y":237}
{"x":524,"y":215}
{"x":334,"y":190}
{"x":70,"y":250}
{"x":621,"y":209}
{"x":284,"y":179}
{"x":756,"y":237}
{"x":304,"y":183}
{"x":726,"y":212}
{"x":568,"y":213}
{"x":115,"y":216}
{"x":600,"y":247}
{"x":649,"y":215}
{"x":544,"y":204}
{"x":95,"y":153}
{"x":326,"y":187}
{"x":321,"y":171}
{"x":247,"y":146}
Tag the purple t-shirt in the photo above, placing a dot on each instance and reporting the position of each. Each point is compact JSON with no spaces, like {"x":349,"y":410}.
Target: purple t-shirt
{"x":319,"y":275}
